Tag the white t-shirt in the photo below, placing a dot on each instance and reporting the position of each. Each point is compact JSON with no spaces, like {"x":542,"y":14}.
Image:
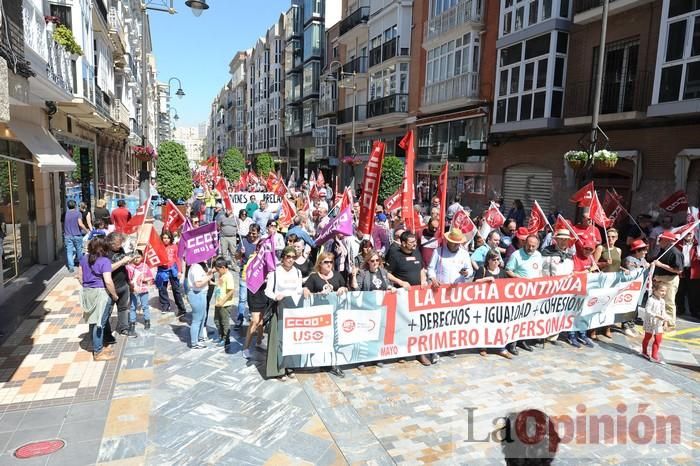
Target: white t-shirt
{"x":280,"y":281}
{"x":195,"y":274}
{"x":445,"y":265}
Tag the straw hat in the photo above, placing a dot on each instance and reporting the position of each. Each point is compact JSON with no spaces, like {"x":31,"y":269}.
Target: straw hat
{"x":638,"y":244}
{"x":456,"y":236}
{"x":562,"y":234}
{"x":200,"y":195}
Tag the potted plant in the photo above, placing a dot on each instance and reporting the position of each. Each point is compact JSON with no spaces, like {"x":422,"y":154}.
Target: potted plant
{"x":51,"y":22}
{"x":605,"y":159}
{"x":144,"y":154}
{"x":576,"y":158}
{"x":64,"y":36}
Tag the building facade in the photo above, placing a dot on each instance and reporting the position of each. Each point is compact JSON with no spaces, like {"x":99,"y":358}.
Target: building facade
{"x":189,"y":138}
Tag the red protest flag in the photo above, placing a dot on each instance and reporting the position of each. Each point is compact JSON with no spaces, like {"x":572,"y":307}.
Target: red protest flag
{"x":494,"y":217}
{"x":172,"y":217}
{"x":583,"y":196}
{"x":538,"y":220}
{"x":287,"y":214}
{"x":320,"y":181}
{"x":138,"y":219}
{"x":393,"y":202}
{"x":312,"y":179}
{"x":281,"y":188}
{"x":155,"y":253}
{"x":462,"y":221}
{"x":676,"y":202}
{"x":563,"y":224}
{"x":222,"y":187}
{"x":442,"y":195}
{"x":408,"y":187}
{"x":612,"y":205}
{"x":271,"y":182}
{"x":370,"y":188}
{"x":598,"y":214}
{"x":313,"y":192}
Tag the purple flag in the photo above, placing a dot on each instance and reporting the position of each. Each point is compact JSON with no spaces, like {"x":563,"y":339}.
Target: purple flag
{"x":342,"y":223}
{"x":261,"y":264}
{"x":181,"y":245}
{"x":199,"y":244}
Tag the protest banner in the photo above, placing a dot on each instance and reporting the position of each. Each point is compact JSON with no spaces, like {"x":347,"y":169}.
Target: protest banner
{"x":241,"y":199}
{"x":261,"y":263}
{"x":200,"y":243}
{"x":375,"y":325}
{"x":676,"y":202}
{"x":342,"y":224}
{"x":370,"y":188}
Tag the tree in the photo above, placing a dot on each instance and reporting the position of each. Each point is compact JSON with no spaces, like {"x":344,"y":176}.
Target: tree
{"x":173,"y":173}
{"x":392,"y":176}
{"x":264,"y":164}
{"x":233,"y":164}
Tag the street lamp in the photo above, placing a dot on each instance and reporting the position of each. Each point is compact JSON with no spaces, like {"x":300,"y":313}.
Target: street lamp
{"x":167,"y":7}
{"x":176,"y":117}
{"x":180,"y":93}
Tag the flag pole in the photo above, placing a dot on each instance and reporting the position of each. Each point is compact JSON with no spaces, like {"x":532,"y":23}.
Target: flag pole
{"x":689,"y":230}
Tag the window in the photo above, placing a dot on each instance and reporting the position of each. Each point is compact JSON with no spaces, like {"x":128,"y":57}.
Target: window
{"x":313,"y":41}
{"x":453,"y":58}
{"x":678,"y":77}
{"x":63,"y":13}
{"x":619,"y":76}
{"x":530,"y":78}
{"x":460,"y":140}
{"x":382,"y":83}
{"x":311,"y":78}
{"x":521,"y":14}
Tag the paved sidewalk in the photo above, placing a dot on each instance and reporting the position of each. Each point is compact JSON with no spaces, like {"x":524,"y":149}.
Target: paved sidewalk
{"x":161,"y":403}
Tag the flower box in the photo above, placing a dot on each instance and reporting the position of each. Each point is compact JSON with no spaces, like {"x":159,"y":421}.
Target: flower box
{"x":144,"y":154}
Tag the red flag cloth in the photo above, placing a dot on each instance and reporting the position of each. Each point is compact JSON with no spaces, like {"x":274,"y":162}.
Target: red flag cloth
{"x":494,"y":217}
{"x":612,"y":206}
{"x":598,"y":214}
{"x":683,"y":230}
{"x":271,"y":182}
{"x":281,"y":188}
{"x":307,"y":203}
{"x":393,"y":202}
{"x":287,"y":214}
{"x":564,"y":224}
{"x":462,"y":221}
{"x":346,"y":200}
{"x":407,"y":144}
{"x":155,"y":253}
{"x":312,"y":179}
{"x":442,"y":195}
{"x":370,"y":188}
{"x":320,"y":181}
{"x":252,"y":177}
{"x":538,"y":220}
{"x":222,"y":187}
{"x":583,"y":196}
{"x":172,"y":217}
{"x":676,"y":202}
{"x":313,"y":192}
{"x":137,"y":220}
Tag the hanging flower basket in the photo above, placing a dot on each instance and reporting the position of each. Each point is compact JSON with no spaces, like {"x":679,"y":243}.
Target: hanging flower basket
{"x":144,"y":154}
{"x":605,"y":159}
{"x":576,"y":158}
{"x":351,"y":161}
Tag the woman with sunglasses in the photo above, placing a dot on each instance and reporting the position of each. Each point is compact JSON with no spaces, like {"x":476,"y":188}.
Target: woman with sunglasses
{"x":610,"y":260}
{"x":284,"y":281}
{"x":491,"y":271}
{"x":371,"y":276}
{"x":325,"y":280}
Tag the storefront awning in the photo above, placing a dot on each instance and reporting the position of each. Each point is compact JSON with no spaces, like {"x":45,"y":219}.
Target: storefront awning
{"x":47,"y":152}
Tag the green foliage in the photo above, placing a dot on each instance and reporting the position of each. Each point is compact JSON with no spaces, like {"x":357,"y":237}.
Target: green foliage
{"x":233,"y":164}
{"x":76,"y":175}
{"x":392,"y":176}
{"x":173,"y":174}
{"x":264,"y":164}
{"x":64,"y":37}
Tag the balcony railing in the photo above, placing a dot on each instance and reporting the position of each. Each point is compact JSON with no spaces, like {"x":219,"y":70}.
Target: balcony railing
{"x":120,"y":113}
{"x":357,"y":65}
{"x":468,"y":11}
{"x":102,"y":106}
{"x":395,"y":103}
{"x":361,"y":15}
{"x":387,"y":50}
{"x":616,"y":97}
{"x":327,"y":106}
{"x":345,"y":115}
{"x":59,"y":66}
{"x":116,"y":28}
{"x":458,"y":87}
{"x":584,"y":5}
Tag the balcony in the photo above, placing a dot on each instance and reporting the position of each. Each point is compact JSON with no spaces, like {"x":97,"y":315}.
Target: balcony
{"x":116,"y":32}
{"x":465,"y":12}
{"x":359,"y":16}
{"x":453,"y":90}
{"x":619,"y":100}
{"x":44,"y":53}
{"x":327,"y":106}
{"x":120,"y":113}
{"x":357,"y":65}
{"x":292,"y":23}
{"x":395,"y":103}
{"x":345,"y":115}
{"x":386,"y":51}
{"x":589,"y":11}
{"x":101,"y":104}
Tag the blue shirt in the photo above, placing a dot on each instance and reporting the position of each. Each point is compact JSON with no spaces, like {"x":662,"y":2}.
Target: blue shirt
{"x":524,"y":265}
{"x":479,"y":254}
{"x":302,"y":234}
{"x":261,"y":217}
{"x":70,"y":223}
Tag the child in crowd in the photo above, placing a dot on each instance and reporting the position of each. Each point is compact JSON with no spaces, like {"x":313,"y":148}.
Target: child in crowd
{"x":98,"y":229}
{"x":141,"y":278}
{"x":223,"y":304}
{"x":654,"y":318}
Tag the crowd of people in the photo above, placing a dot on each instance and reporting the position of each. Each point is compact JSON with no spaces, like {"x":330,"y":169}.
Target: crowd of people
{"x":392,"y":257}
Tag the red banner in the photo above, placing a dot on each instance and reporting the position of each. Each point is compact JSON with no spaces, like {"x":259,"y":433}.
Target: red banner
{"x":612,"y":205}
{"x":583,"y":196}
{"x":222,"y":187}
{"x":494,"y":217}
{"x":320,"y":181}
{"x":462,"y":221}
{"x":287,"y":214}
{"x":172,"y":217}
{"x":370,"y":188}
{"x":538,"y":220}
{"x":393,"y":202}
{"x":155,"y":252}
{"x":442,"y":195}
{"x":598,"y":214}
{"x":408,"y":186}
{"x":138,"y":219}
{"x":676,"y":202}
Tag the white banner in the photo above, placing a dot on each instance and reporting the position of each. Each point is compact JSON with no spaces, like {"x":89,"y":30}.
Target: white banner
{"x":241,"y":199}
{"x":308,"y":330}
{"x":358,"y":325}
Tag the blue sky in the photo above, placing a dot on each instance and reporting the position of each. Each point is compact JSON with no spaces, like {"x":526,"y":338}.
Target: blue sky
{"x":198,"y":50}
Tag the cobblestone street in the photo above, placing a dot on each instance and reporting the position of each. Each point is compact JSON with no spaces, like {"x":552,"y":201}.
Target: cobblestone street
{"x":162,"y":403}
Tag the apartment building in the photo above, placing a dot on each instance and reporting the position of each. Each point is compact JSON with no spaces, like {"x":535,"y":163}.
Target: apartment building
{"x":649,"y":109}
{"x":67,"y":120}
{"x":237,"y":112}
{"x":189,"y":138}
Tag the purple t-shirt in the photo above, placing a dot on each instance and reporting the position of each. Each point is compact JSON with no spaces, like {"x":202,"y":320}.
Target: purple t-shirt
{"x":92,"y":276}
{"x":70,"y":223}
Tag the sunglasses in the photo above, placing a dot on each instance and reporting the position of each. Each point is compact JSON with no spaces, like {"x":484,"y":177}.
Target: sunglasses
{"x":327,"y":262}
{"x":373,"y":260}
{"x":290,"y":256}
